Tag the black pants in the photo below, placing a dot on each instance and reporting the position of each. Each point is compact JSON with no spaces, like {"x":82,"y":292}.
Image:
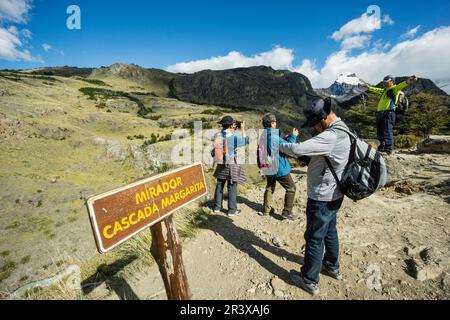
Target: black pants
{"x":288,"y":184}
{"x":385,"y":130}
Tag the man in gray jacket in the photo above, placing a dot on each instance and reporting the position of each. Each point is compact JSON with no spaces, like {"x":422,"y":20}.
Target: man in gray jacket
{"x":324,"y":196}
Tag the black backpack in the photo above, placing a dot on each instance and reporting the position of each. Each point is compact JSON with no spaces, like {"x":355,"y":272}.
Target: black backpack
{"x":365,"y":172}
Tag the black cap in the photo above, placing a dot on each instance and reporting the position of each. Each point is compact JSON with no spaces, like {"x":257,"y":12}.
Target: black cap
{"x":316,"y":111}
{"x":227,"y":120}
{"x":389,"y":78}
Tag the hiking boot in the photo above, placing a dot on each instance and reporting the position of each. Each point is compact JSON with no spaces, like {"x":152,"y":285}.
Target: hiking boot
{"x":236,"y":213}
{"x":297,"y":279}
{"x":335,"y":274}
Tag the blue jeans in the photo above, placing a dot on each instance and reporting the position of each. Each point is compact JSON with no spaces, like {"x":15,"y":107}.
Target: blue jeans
{"x":232,"y":195}
{"x":320,"y":234}
{"x":385,"y":130}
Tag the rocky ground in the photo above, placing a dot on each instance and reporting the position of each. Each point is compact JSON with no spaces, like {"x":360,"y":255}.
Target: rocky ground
{"x":394,"y":245}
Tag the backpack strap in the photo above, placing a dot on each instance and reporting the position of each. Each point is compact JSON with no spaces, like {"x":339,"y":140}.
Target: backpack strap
{"x":353,"y":139}
{"x":224,"y":135}
{"x":330,"y":166}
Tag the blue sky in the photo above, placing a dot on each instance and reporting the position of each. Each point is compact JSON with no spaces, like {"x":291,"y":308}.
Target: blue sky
{"x":163,"y":33}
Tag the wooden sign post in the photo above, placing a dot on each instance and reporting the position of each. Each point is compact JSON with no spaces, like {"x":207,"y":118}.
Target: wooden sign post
{"x":120,"y":214}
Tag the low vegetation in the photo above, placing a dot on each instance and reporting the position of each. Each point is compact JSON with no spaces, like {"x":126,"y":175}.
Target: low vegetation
{"x":427,"y":115}
{"x":95,"y":82}
{"x":95,"y":93}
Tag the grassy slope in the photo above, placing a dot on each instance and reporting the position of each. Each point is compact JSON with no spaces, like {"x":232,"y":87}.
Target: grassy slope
{"x":45,"y":180}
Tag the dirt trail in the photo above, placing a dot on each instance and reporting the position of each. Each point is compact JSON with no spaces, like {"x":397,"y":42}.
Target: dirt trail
{"x":386,"y":241}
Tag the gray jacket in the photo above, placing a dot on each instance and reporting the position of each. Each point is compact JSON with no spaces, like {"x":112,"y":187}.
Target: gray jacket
{"x":335,"y":144}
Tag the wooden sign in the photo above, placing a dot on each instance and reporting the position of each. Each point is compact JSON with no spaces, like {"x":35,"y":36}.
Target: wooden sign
{"x":118,"y":215}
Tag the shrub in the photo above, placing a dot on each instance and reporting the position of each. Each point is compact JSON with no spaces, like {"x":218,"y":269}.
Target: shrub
{"x":93,"y":93}
{"x":95,"y":81}
{"x":213,"y":112}
{"x":406,"y":141}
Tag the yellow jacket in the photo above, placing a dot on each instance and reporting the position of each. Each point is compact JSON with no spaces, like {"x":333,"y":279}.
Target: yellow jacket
{"x":385,"y":102}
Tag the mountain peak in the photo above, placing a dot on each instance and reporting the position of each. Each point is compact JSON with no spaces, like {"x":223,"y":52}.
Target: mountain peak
{"x":349,"y":78}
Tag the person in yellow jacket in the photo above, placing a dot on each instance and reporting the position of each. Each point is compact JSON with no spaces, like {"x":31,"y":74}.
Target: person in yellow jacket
{"x":386,"y":116}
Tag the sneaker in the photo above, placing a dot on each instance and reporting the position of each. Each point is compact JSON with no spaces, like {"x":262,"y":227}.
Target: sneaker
{"x":290,"y":217}
{"x":335,"y":274}
{"x":238,"y":212}
{"x":217,"y":211}
{"x":262,"y":214}
{"x":298,"y":280}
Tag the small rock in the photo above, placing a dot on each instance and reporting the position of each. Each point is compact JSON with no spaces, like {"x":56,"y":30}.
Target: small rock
{"x":374,"y":279}
{"x":251,"y":290}
{"x":428,"y":273}
{"x":404,"y":283}
{"x":414,"y":251}
{"x":278,"y":284}
{"x":446,"y":282}
{"x":278,"y":242}
{"x":279,"y":293}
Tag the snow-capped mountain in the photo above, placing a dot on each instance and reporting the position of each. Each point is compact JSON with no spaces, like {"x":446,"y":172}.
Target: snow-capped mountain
{"x":349,"y":78}
{"x":346,"y":86}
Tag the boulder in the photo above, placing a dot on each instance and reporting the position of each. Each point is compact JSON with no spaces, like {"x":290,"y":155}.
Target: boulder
{"x":434,"y":144}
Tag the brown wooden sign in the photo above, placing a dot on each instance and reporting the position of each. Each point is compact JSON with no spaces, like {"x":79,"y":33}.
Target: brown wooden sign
{"x":118,"y":215}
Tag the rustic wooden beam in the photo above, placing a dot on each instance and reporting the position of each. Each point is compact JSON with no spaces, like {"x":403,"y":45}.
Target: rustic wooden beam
{"x":167,"y":251}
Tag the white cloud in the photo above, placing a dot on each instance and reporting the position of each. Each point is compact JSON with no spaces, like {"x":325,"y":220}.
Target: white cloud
{"x":15,"y":11}
{"x":411,"y":32}
{"x":355,"y":34}
{"x":13,"y":30}
{"x":355,"y":42}
{"x":27,"y":33}
{"x":308,"y":68}
{"x":10,"y":45}
{"x":46,"y":47}
{"x":364,"y":24}
{"x":12,"y":41}
{"x":424,"y":56}
{"x":277,"y":58}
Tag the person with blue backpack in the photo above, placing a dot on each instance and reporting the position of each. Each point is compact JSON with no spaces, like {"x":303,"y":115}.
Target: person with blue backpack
{"x":281,"y":171}
{"x":229,"y":170}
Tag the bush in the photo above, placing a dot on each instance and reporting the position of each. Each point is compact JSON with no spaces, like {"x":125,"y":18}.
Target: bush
{"x":95,"y":81}
{"x":213,"y":112}
{"x":406,"y":141}
{"x":93,"y":93}
{"x":426,"y":116}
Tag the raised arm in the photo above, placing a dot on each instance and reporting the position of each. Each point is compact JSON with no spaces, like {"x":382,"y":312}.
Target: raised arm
{"x":321,"y":145}
{"x":376,"y":90}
